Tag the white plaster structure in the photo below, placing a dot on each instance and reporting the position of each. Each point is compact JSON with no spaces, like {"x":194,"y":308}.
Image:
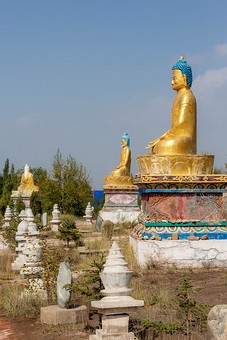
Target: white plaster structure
{"x":182,"y":253}
{"x":55,"y":222}
{"x":120,"y":215}
{"x":30,"y":216}
{"x":32,"y":250}
{"x":117,"y":303}
{"x":29,"y":251}
{"x":44,"y":219}
{"x":22,"y":230}
{"x":7,"y":217}
{"x":120,"y":206}
{"x":23,"y":215}
{"x":89,"y":214}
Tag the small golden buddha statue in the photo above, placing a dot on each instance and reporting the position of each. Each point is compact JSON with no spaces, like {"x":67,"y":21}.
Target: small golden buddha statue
{"x":123,"y":169}
{"x":27,"y":181}
{"x":181,"y":137}
{"x":121,"y":176}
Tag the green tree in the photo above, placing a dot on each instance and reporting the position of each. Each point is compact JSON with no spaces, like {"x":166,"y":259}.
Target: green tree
{"x":8,"y":182}
{"x":58,"y":168}
{"x":192,"y":313}
{"x":40,"y":179}
{"x":20,"y":205}
{"x":50,"y":195}
{"x":35,"y":203}
{"x":69,"y":232}
{"x":73,"y":183}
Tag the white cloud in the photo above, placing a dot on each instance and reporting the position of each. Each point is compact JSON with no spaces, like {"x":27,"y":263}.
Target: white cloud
{"x":211,"y":80}
{"x":221,"y":50}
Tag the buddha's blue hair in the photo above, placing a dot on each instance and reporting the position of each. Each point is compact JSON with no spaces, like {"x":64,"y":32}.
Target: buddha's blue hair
{"x":183,"y":66}
{"x":126,"y":138}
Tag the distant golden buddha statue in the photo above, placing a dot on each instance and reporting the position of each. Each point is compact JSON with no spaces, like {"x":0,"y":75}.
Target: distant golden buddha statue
{"x":27,"y":181}
{"x":121,"y":174}
{"x":181,"y":137}
{"x":123,"y":169}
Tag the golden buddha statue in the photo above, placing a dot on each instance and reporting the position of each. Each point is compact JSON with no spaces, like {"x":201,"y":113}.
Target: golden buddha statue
{"x":123,"y":169}
{"x":181,"y":137}
{"x":174,"y":152}
{"x":121,"y":174}
{"x":27,"y":181}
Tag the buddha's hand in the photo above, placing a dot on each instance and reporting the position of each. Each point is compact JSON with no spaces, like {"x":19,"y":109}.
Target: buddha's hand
{"x":151,"y":144}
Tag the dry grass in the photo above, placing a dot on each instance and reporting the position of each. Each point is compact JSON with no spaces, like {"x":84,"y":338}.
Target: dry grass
{"x":17,"y":301}
{"x":6,"y":259}
{"x":97,"y":244}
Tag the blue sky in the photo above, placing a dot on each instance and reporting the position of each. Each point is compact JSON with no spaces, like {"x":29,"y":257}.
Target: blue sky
{"x":76,"y":75}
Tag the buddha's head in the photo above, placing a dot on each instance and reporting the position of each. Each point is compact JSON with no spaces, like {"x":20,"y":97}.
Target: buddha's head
{"x":182,"y":74}
{"x":26,"y":170}
{"x":125,"y":140}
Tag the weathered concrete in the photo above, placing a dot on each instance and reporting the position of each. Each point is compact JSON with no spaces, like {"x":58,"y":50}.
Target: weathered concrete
{"x":113,"y":327}
{"x":55,"y":315}
{"x":217,"y":323}
{"x":182,"y":253}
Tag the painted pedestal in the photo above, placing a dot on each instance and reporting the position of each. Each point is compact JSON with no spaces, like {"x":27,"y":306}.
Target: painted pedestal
{"x":186,"y":205}
{"x":25,"y":195}
{"x":181,"y":208}
{"x":121,"y":203}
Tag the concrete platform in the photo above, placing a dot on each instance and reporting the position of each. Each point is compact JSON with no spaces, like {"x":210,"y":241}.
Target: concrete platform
{"x":55,"y":315}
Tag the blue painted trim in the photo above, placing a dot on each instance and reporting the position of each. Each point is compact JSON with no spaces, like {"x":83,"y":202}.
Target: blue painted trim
{"x":211,"y":236}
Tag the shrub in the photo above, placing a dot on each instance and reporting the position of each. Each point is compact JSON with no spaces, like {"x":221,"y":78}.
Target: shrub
{"x":69,"y":232}
{"x":192,"y":313}
{"x":90,"y":284}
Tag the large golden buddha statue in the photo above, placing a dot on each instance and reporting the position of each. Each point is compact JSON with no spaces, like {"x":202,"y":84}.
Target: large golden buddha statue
{"x":27,"y":181}
{"x":174,"y":152}
{"x":181,"y":137}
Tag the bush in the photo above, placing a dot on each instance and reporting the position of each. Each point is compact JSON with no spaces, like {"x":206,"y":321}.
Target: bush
{"x":69,"y":232}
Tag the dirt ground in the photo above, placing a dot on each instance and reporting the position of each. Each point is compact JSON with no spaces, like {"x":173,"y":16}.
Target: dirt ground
{"x":213,"y":284}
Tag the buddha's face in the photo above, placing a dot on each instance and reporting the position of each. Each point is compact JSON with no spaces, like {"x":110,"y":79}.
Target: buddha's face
{"x":178,"y":80}
{"x":124,"y":142}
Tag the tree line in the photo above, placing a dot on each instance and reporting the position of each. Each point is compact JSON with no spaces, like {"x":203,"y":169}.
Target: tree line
{"x":68,"y":184}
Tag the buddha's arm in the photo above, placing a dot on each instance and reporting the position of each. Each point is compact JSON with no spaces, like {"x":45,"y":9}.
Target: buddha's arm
{"x":181,"y":126}
{"x":151,"y":144}
{"x":125,"y":154}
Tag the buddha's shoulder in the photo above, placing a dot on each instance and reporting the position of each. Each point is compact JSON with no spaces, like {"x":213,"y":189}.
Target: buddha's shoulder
{"x":186,"y":95}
